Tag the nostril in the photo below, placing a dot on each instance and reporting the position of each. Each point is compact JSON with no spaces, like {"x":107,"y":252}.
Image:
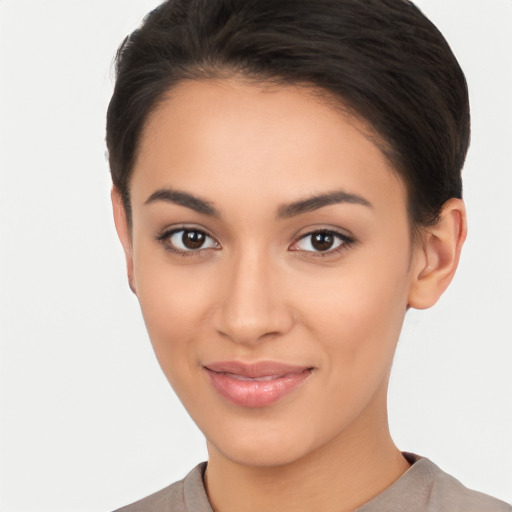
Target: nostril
{"x":252,"y":328}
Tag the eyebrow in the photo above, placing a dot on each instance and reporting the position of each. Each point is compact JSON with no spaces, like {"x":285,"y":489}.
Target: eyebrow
{"x":316,"y":202}
{"x":178,"y":197}
{"x":286,"y":211}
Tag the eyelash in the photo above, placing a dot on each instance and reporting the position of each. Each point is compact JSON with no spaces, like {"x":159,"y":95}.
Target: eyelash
{"x":345,"y":243}
{"x":165,"y":237}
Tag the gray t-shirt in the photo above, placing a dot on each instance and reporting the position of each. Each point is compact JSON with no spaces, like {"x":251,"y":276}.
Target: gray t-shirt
{"x":422,"y":488}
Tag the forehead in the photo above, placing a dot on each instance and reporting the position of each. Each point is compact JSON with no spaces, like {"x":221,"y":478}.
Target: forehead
{"x":233,"y":138}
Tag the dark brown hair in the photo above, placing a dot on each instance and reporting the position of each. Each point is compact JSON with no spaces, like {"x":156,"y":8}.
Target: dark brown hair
{"x":383,"y":59}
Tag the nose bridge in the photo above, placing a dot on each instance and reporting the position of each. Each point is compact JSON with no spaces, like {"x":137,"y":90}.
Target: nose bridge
{"x":252,"y":305}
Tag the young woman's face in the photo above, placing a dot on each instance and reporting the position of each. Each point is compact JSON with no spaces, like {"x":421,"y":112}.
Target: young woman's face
{"x":273,"y":263}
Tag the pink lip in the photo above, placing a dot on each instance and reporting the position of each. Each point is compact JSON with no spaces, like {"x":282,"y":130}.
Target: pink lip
{"x":257,"y":384}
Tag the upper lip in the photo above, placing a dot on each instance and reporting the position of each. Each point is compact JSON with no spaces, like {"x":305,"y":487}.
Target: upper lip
{"x":255,"y":370}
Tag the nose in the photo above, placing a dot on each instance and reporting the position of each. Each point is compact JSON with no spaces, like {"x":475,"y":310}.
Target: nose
{"x":253,"y":305}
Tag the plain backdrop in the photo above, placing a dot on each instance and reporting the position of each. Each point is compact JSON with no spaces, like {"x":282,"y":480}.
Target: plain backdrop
{"x":88,"y":422}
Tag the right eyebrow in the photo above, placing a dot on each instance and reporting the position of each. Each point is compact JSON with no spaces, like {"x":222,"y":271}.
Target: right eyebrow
{"x":183,"y":199}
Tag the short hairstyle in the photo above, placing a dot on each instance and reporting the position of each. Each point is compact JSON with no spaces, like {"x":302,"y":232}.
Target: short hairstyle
{"x":382,"y":59}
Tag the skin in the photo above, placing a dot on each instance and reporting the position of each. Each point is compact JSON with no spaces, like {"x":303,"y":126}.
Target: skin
{"x":258,"y":291}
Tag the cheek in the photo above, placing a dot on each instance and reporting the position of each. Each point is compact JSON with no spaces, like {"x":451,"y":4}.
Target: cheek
{"x":167,"y":305}
{"x":174,"y":303}
{"x":355,"y":329}
{"x":357,"y":316}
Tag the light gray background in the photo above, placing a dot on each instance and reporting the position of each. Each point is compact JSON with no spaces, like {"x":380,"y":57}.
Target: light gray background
{"x":88,"y":423}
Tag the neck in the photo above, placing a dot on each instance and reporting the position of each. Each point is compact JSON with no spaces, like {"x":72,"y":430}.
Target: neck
{"x":340,"y":476}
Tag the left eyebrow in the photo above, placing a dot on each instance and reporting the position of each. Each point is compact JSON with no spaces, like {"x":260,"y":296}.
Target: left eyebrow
{"x":318,"y":201}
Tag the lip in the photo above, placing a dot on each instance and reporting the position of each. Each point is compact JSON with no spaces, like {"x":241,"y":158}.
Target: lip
{"x":255,"y":384}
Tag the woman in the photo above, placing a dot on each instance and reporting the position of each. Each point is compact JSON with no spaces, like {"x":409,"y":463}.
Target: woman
{"x":286,"y":186}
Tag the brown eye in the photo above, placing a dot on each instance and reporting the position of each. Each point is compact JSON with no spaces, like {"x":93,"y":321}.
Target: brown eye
{"x":188,"y":240}
{"x":322,"y":241}
{"x":193,"y":239}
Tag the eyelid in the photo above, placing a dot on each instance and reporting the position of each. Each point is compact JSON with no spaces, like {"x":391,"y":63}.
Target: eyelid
{"x":346,"y":242}
{"x":165,"y":235}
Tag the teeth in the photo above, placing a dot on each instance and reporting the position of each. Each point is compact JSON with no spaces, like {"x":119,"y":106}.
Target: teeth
{"x":254,"y":379}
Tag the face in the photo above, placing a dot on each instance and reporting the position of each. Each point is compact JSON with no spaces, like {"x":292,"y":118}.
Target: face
{"x":271,"y":255}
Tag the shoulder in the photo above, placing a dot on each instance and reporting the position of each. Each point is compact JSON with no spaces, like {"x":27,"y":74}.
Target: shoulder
{"x":450,"y":494}
{"x":169,"y":498}
{"x":427,"y":488}
{"x":186,"y":495}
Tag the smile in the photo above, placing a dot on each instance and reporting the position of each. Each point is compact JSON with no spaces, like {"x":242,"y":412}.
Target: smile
{"x":255,"y":385}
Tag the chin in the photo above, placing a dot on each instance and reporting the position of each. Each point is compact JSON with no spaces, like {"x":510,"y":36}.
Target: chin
{"x":266,"y":446}
{"x":262,"y":455}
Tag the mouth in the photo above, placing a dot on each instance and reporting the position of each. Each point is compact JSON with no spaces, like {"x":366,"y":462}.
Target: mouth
{"x":255,"y":385}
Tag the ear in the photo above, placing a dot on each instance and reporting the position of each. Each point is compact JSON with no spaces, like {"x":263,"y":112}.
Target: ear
{"x":437,"y":255}
{"x":124,"y":234}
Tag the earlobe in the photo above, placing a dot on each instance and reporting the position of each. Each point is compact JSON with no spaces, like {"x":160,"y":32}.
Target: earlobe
{"x":438,"y":255}
{"x":123,"y":232}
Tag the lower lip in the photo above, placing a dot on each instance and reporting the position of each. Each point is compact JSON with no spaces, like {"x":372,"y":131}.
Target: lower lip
{"x":256,"y":393}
